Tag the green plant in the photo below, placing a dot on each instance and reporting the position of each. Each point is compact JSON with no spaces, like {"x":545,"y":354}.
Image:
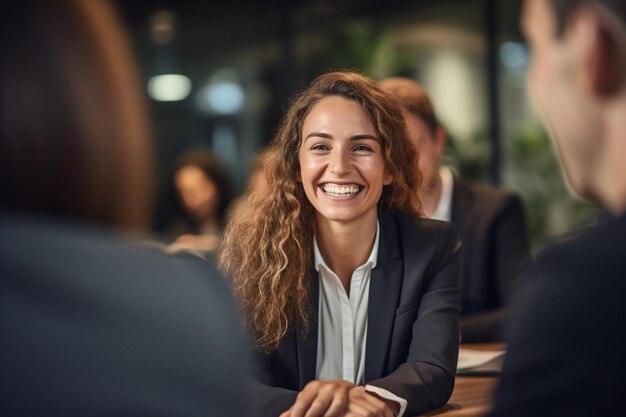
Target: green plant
{"x":534,"y":172}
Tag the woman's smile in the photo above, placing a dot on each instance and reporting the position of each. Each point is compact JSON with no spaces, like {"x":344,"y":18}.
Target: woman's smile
{"x":340,"y":191}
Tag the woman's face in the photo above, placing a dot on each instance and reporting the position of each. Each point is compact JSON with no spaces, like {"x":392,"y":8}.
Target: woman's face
{"x":341,"y":162}
{"x":198,"y":193}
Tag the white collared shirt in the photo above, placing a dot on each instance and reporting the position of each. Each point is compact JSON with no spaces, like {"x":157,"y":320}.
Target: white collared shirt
{"x":342,"y":324}
{"x":444,"y":206}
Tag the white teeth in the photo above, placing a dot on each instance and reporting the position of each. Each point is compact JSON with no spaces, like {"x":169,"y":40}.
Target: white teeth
{"x":341,"y":190}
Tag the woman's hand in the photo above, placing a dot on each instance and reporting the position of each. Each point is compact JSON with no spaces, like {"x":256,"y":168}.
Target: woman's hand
{"x":339,"y":398}
{"x":206,"y":243}
{"x":364,"y":404}
{"x":321,"y":399}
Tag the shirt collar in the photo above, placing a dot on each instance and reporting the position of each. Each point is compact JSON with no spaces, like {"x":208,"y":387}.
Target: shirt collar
{"x":443,"y":210}
{"x":318,"y":259}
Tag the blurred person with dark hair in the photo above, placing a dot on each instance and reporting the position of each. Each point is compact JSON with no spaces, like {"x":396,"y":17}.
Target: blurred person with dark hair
{"x":204,"y":194}
{"x":490,"y":221}
{"x":565,"y":355}
{"x":351,"y":295}
{"x":90,"y":323}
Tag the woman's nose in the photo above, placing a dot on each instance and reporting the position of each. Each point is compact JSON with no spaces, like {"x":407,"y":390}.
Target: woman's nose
{"x":340,"y":163}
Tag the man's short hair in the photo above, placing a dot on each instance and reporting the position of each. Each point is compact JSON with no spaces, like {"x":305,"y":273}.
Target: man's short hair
{"x":413,"y":97}
{"x":562,"y":9}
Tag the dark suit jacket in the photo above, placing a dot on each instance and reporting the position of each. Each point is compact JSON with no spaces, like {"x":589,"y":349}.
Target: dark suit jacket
{"x":566,"y":352}
{"x":492,"y":226}
{"x":412,"y":335}
{"x":93,"y":326}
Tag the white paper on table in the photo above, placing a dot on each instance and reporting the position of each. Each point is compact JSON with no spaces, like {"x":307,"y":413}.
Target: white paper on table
{"x":471,"y":360}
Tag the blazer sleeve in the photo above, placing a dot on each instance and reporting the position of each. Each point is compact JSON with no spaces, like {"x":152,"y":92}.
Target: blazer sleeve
{"x":511,"y":257}
{"x":270,"y":401}
{"x":267,"y":400}
{"x":426,"y":379}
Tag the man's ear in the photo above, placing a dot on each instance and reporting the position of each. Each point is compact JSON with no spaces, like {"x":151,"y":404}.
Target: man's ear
{"x":606,"y":72}
{"x":602,"y":65}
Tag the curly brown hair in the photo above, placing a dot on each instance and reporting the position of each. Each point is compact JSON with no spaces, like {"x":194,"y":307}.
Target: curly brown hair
{"x":267,"y":249}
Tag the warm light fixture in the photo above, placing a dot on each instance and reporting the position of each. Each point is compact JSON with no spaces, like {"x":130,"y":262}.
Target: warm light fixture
{"x":169,"y":87}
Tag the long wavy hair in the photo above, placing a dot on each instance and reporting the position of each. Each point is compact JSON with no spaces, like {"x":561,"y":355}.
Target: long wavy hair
{"x":267,"y":249}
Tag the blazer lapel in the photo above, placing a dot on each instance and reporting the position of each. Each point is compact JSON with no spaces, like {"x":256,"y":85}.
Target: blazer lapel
{"x":307,"y":343}
{"x":385,"y":286}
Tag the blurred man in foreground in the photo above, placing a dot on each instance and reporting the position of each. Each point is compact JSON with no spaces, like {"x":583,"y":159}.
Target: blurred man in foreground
{"x":90,"y":323}
{"x":565,"y":353}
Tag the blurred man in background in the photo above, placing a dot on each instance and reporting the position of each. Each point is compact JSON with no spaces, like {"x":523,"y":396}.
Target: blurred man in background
{"x":566,"y":356}
{"x":490,"y":221}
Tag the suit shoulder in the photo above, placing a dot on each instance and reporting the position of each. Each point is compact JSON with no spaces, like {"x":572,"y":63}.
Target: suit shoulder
{"x":153,"y":319}
{"x":100,"y":261}
{"x":487,"y":191}
{"x":410,"y":224}
{"x":596,"y":251}
{"x":583,"y":275}
{"x":422,"y":231}
{"x":488,"y":199}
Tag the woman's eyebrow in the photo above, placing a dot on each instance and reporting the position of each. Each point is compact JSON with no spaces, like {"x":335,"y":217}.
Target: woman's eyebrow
{"x":319,"y":135}
{"x":364,"y":136}
{"x":352,"y":138}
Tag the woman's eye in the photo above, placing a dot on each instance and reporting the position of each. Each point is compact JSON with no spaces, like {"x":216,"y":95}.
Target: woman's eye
{"x":362,"y":148}
{"x":319,"y":147}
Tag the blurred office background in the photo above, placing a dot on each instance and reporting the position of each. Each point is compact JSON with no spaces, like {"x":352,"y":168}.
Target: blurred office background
{"x":220,"y":72}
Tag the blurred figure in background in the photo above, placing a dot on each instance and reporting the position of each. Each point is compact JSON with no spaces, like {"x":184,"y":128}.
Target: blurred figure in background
{"x":90,"y":323}
{"x":565,"y":353}
{"x":257,"y":184}
{"x":204,"y":194}
{"x":490,"y":221}
{"x":257,"y":179}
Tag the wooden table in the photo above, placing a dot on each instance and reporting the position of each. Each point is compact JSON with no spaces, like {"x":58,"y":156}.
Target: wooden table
{"x":472,"y":396}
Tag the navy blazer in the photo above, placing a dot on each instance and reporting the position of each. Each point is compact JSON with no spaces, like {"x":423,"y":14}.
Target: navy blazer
{"x":496,"y":251}
{"x":565,"y":352}
{"x":412,"y":335}
{"x":94,"y":326}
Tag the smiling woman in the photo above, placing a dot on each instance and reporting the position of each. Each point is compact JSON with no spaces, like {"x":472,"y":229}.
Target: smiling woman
{"x":338,"y":221}
{"x":341,"y":164}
